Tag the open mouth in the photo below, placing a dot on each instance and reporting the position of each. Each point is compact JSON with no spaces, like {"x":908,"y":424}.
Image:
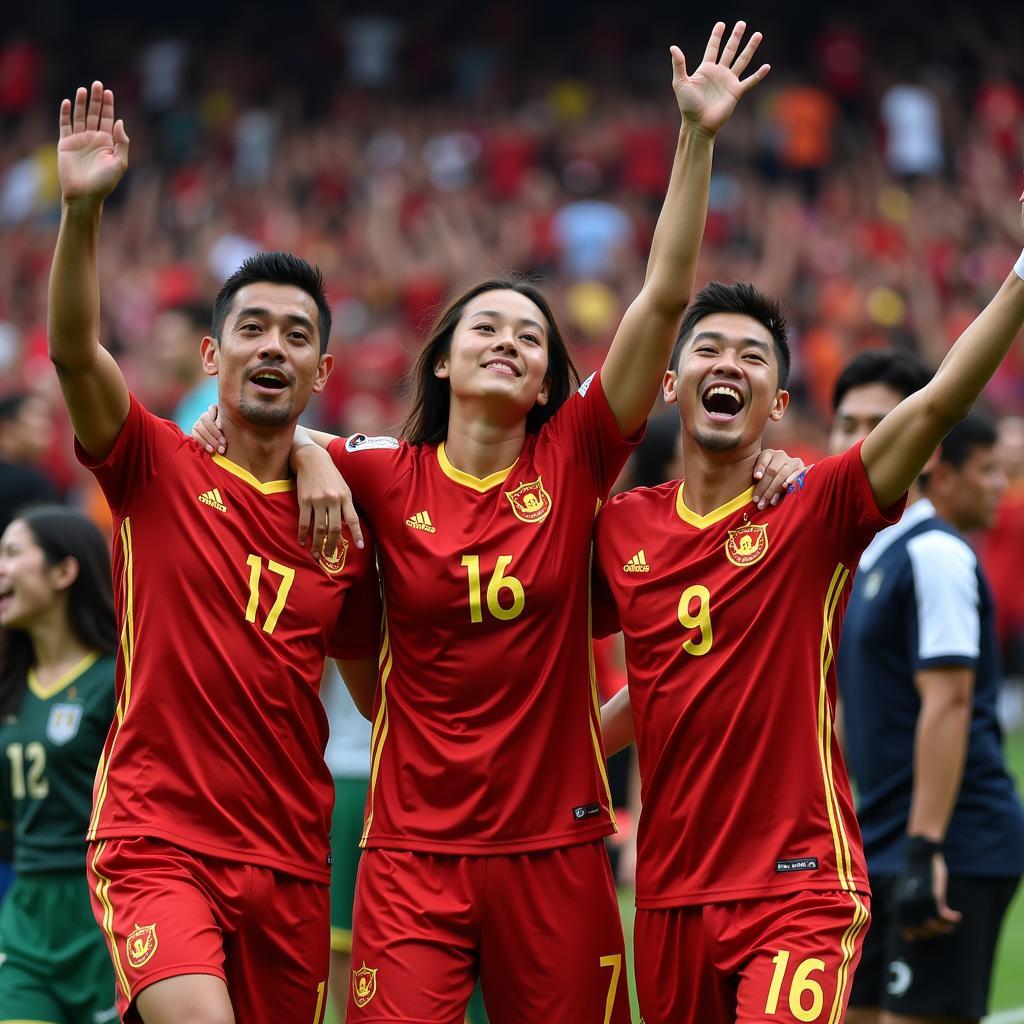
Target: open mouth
{"x":6,"y":596}
{"x":504,"y":367}
{"x":269,"y":380}
{"x":722,"y":401}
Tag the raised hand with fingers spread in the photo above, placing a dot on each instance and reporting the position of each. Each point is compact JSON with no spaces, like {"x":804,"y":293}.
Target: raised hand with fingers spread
{"x":708,"y":97}
{"x":92,"y":153}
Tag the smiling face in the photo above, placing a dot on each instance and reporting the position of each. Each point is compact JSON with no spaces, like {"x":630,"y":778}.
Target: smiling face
{"x":499,"y":353}
{"x":268,"y":359}
{"x":28,"y":586}
{"x":726,"y":382}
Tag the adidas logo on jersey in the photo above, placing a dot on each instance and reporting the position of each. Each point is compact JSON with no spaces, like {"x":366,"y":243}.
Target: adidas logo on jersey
{"x":638,"y":563}
{"x":421,"y":521}
{"x":213,"y":499}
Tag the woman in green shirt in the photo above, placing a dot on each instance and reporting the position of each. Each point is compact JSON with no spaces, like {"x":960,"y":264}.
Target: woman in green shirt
{"x":56,"y":706}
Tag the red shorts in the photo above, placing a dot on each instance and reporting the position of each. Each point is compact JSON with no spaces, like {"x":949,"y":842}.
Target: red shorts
{"x":167,"y":912}
{"x":542,"y":930}
{"x":786,"y":959}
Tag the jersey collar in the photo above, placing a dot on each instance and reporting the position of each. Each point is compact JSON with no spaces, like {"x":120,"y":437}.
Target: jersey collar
{"x":46,"y":692}
{"x":476,"y":483}
{"x":270,"y":487}
{"x":722,"y":512}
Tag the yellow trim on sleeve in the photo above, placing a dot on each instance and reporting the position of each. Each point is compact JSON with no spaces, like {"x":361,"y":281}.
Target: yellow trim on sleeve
{"x":107,"y":924}
{"x":270,"y":487}
{"x":341,"y":940}
{"x":481,"y":485}
{"x":720,"y":513}
{"x":46,"y":692}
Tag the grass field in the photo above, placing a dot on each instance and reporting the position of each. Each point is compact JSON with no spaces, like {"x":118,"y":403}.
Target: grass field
{"x":1008,"y":984}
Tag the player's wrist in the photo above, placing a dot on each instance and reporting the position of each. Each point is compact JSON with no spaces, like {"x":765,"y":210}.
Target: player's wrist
{"x":1018,"y":267}
{"x":921,"y":849}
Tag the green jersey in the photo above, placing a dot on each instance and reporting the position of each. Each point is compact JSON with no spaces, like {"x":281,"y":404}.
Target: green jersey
{"x":49,"y":751}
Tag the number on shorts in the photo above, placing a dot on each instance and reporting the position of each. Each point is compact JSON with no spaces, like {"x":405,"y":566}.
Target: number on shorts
{"x":801,"y":983}
{"x":615,"y":963}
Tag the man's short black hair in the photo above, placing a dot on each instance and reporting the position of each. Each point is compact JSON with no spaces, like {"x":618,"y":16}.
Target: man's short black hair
{"x":896,"y":368}
{"x":974,"y":432}
{"x":745,"y":299}
{"x":275,"y":268}
{"x":196,"y":313}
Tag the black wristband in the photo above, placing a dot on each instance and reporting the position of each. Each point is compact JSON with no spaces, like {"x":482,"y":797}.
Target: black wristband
{"x":921,"y":848}
{"x":913,"y":902}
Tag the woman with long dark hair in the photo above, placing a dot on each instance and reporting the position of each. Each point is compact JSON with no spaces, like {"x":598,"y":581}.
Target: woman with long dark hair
{"x":57,"y":646}
{"x":488,"y":802}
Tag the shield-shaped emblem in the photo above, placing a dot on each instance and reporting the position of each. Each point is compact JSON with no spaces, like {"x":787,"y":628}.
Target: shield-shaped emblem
{"x":364,"y":984}
{"x":62,"y":725}
{"x":747,"y":545}
{"x":141,"y":945}
{"x":333,"y":562}
{"x":530,"y":502}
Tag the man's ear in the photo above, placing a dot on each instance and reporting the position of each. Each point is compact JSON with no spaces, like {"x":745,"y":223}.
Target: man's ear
{"x":779,"y":406}
{"x":209,"y":352}
{"x":668,"y":387}
{"x":323,"y":371}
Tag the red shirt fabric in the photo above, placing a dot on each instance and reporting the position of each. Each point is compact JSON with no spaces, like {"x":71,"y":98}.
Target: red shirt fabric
{"x":731,"y":622}
{"x":224,"y":622}
{"x":486,"y":733}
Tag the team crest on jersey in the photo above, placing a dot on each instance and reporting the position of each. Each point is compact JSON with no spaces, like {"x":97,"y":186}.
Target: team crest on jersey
{"x":747,"y":545}
{"x":334,"y":562}
{"x":141,"y":945}
{"x":530,"y":502}
{"x":364,"y":985}
{"x":62,"y":725}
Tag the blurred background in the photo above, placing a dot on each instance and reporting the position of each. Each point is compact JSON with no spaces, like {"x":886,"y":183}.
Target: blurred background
{"x":871,"y":183}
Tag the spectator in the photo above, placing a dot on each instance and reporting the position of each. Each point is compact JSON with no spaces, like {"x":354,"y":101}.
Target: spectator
{"x":25,"y":435}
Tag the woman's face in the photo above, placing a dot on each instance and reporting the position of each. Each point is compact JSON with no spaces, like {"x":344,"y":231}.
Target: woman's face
{"x":499,"y":351}
{"x":28,"y":586}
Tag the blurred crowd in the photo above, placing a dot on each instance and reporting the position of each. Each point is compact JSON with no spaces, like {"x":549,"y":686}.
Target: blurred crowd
{"x":871,"y":182}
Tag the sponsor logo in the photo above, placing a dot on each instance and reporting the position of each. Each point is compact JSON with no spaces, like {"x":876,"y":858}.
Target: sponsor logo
{"x":333,"y":562}
{"x":585,"y":386}
{"x":530,"y":502}
{"x":364,"y":985}
{"x":638,"y":563}
{"x":586,"y":811}
{"x":363,"y":443}
{"x":747,"y":545}
{"x":796,"y":864}
{"x":213,"y":499}
{"x":421,"y":521}
{"x":901,"y":977}
{"x":141,"y":945}
{"x":62,"y":725}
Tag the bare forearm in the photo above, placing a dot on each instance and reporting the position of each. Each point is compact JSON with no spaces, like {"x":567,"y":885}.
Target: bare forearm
{"x":74,"y":291}
{"x":672,"y":265}
{"x":940,"y":748}
{"x":617,"y":723}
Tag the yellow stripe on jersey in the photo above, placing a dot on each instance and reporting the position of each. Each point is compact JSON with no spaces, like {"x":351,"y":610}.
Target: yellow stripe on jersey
{"x":594,"y":713}
{"x":128,"y":657}
{"x":848,"y":946}
{"x":379,"y":735}
{"x":842,"y":849}
{"x":107,"y":924}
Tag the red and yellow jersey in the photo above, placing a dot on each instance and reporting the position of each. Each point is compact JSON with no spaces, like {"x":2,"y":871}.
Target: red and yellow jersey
{"x":219,"y":736}
{"x":731,"y":623}
{"x":486,"y":731}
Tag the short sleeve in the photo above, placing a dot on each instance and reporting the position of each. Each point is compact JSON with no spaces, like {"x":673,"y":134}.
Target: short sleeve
{"x":144,"y":445}
{"x":945,"y":571}
{"x":370,"y":465}
{"x":585,"y":427}
{"x":356,"y":634}
{"x":838,"y":494}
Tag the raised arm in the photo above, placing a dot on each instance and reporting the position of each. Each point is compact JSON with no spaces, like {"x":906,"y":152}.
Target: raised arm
{"x":895,"y":452}
{"x":639,"y":354}
{"x":92,"y":154}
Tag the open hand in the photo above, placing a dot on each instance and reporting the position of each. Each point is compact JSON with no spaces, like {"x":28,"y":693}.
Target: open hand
{"x":708,"y":97}
{"x":92,"y":153}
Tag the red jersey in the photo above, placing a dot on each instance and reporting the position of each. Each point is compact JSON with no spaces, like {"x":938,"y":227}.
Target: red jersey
{"x":218,"y":741}
{"x":486,"y":734}
{"x":731,"y":622}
